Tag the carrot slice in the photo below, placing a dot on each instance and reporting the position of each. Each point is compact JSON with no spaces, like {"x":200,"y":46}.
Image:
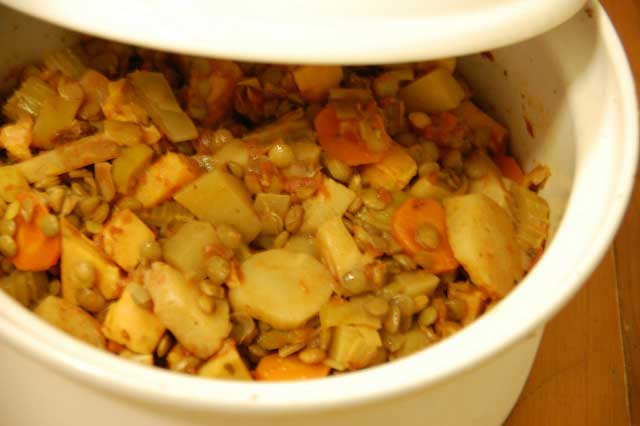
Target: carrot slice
{"x":341,"y":139}
{"x":405,"y":222}
{"x":274,"y":368}
{"x":509,"y":168}
{"x":36,"y":251}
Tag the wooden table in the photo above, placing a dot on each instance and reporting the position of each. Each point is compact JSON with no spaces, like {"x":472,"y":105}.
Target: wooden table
{"x":587,"y":371}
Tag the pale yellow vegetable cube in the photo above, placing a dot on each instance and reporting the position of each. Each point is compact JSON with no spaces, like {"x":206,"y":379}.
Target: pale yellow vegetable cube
{"x":189,"y":247}
{"x":303,"y":243}
{"x":353,"y":346}
{"x":129,"y":165}
{"x":226,"y":364}
{"x":338,"y":249}
{"x":268,"y":207}
{"x":314,"y":82}
{"x":123,"y":132}
{"x":70,"y":319}
{"x":131,"y":325}
{"x":123,"y":238}
{"x":219,"y":197}
{"x":175,"y":302}
{"x":11,"y":183}
{"x":55,"y":115}
{"x":164,"y":178}
{"x":341,"y":312}
{"x":424,"y":188}
{"x":333,"y":199}
{"x":77,"y":248}
{"x":483,"y":240}
{"x":393,"y":172}
{"x":436,"y":91}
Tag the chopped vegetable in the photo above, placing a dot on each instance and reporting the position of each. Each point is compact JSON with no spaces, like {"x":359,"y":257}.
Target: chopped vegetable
{"x":77,"y":249}
{"x":478,"y":120}
{"x":274,"y":368}
{"x":156,"y":96}
{"x":129,"y":166}
{"x":71,"y":319}
{"x":35,"y":250}
{"x":67,"y":62}
{"x":16,"y":138}
{"x":11,"y":183}
{"x":489,"y":253}
{"x":406,"y":221}
{"x":412,"y":284}
{"x":122,"y":132}
{"x":393,"y":172}
{"x":56,"y":114}
{"x":332,"y":199}
{"x":436,"y":91}
{"x":340,"y":312}
{"x":314,"y":82}
{"x":425,"y":188}
{"x":226,"y":364}
{"x":28,"y":98}
{"x":510,"y":168}
{"x":123,"y":238}
{"x":353,"y":347}
{"x":164,"y":178}
{"x":281,"y":288}
{"x":175,"y":302}
{"x":221,"y":198}
{"x":132,"y":325}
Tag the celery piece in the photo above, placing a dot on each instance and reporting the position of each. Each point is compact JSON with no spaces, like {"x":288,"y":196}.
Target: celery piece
{"x":56,"y":114}
{"x":67,"y":62}
{"x":28,"y":98}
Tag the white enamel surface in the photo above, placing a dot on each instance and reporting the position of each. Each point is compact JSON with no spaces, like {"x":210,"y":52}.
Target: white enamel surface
{"x":340,"y":31}
{"x":580,"y":100}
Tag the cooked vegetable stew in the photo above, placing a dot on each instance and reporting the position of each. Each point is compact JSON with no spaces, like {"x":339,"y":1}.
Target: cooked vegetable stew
{"x":254,"y":221}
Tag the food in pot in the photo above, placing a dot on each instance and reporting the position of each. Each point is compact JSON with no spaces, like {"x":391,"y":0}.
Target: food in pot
{"x":256,"y":221}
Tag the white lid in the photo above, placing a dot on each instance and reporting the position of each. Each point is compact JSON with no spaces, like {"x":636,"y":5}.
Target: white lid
{"x":303,"y":31}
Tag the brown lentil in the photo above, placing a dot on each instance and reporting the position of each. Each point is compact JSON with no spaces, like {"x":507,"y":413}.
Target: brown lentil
{"x":8,"y":227}
{"x":54,"y":287}
{"x":453,"y":160}
{"x":376,"y":306}
{"x":420,"y":120}
{"x":229,"y":236}
{"x":26,"y":210}
{"x":68,"y":205}
{"x":405,"y":261}
{"x":427,"y":317}
{"x":305,"y":192}
{"x":8,"y":246}
{"x":207,"y":304}
{"x":211,"y":289}
{"x":420,"y":302}
{"x":392,"y":320}
{"x":87,"y":206}
{"x":164,"y":345}
{"x":355,"y":205}
{"x":355,"y":281}
{"x":312,"y":355}
{"x":456,"y":308}
{"x":272,"y":339}
{"x":218,"y":269}
{"x":428,"y":236}
{"x":293,"y":218}
{"x":474,"y":169}
{"x":338,"y":170}
{"x":235,"y":169}
{"x":55,"y":197}
{"x":12,"y":210}
{"x":140,"y":295}
{"x":90,"y":300}
{"x":355,"y":183}
{"x":281,"y":155}
{"x":281,"y":239}
{"x":244,"y":328}
{"x":101,"y":213}
{"x":405,"y":303}
{"x":49,"y":225}
{"x":430,"y":151}
{"x":372,"y":199}
{"x":290,"y":349}
{"x":130,"y":203}
{"x":257,"y":351}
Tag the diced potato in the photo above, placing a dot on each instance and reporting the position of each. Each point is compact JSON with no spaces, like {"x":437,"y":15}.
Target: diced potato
{"x":104,"y":180}
{"x":95,"y":87}
{"x":475,"y":118}
{"x":77,"y":248}
{"x":175,"y":302}
{"x":353,"y":346}
{"x":70,"y":319}
{"x":267,"y":205}
{"x":164,"y":178}
{"x":55,"y":115}
{"x":70,"y":156}
{"x":131,"y":325}
{"x":424,"y":188}
{"x":11,"y":183}
{"x":180,"y":359}
{"x":306,"y":152}
{"x":234,"y":151}
{"x":281,"y":288}
{"x":219,"y":197}
{"x":490,"y":184}
{"x":531,"y":214}
{"x":412,"y":284}
{"x":129,"y":165}
{"x":338,"y":249}
{"x":123,"y":132}
{"x":188,"y":249}
{"x":144,"y":359}
{"x":123,"y":237}
{"x":436,"y":91}
{"x":474,"y":298}
{"x":303,"y":243}
{"x":339,"y":312}
{"x":393,"y":172}
{"x":120,"y":103}
{"x":290,"y":127}
{"x":16,"y":139}
{"x":483,"y":241}
{"x":314,"y":82}
{"x":333,"y":199}
{"x":156,"y":96}
{"x":226,"y":364}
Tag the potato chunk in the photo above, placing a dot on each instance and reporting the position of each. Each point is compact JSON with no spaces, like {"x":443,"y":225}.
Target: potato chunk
{"x":129,"y":165}
{"x":226,"y":364}
{"x":166,"y":176}
{"x":77,"y":248}
{"x":314,"y":82}
{"x":123,"y":238}
{"x":393,"y":173}
{"x":219,"y":197}
{"x":332,"y":199}
{"x":11,"y":183}
{"x":435,"y":91}
{"x":175,"y":302}
{"x":483,"y":241}
{"x":70,"y":319}
{"x":353,"y":347}
{"x":281,"y":288}
{"x":131,"y":325}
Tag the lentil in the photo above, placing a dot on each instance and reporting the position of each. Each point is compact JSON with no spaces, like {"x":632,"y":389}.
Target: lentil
{"x":428,"y":236}
{"x":164,"y":345}
{"x":338,"y":170}
{"x":8,"y":246}
{"x":7,"y":227}
{"x":293,"y":218}
{"x":151,"y":251}
{"x":90,"y":300}
{"x":312,"y":355}
{"x":372,"y":199}
{"x":392,"y":320}
{"x":281,"y":155}
{"x":140,"y":295}
{"x":281,"y":239}
{"x":49,"y":225}
{"x":427,"y":317}
{"x":218,"y":269}
{"x":229,"y":236}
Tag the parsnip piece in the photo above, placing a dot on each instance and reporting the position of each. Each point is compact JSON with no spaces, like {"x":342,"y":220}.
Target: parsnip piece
{"x":436,"y":91}
{"x":129,"y":166}
{"x":303,"y":243}
{"x":175,"y":302}
{"x":234,"y":151}
{"x":219,"y":197}
{"x":482,"y":237}
{"x":412,"y":284}
{"x":393,"y":172}
{"x":77,"y":248}
{"x":333,"y":199}
{"x":340,"y":312}
{"x":281,"y":288}
{"x":70,"y":319}
{"x":164,"y":178}
{"x":70,"y":156}
{"x":123,"y":132}
{"x":190,"y":246}
{"x":424,"y":188}
{"x":123,"y":238}
{"x":55,"y":115}
{"x":131,"y":325}
{"x":490,"y":184}
{"x":338,"y":248}
{"x":353,"y":346}
{"x":226,"y":364}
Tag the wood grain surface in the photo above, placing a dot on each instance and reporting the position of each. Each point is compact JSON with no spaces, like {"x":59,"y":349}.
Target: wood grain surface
{"x":587,"y":371}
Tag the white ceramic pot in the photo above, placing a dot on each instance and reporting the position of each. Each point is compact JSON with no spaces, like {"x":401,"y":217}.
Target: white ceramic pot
{"x":574,"y":88}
